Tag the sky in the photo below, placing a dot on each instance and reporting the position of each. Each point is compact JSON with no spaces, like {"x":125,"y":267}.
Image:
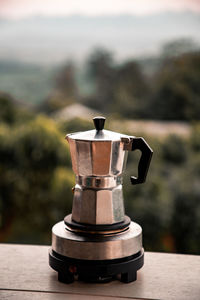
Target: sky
{"x":25,"y":8}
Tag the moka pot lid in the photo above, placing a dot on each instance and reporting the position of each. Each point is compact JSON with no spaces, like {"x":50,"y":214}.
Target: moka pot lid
{"x":98,"y":134}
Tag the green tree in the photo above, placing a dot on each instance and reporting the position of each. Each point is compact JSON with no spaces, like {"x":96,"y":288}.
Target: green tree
{"x":177,"y":89}
{"x":101,"y":72}
{"x":7,"y":109}
{"x":65,"y":91}
{"x":178,"y":47}
{"x":130,"y":91}
{"x":35,"y":175}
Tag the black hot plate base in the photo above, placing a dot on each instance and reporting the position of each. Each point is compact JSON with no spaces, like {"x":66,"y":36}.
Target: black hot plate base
{"x":69,"y":269}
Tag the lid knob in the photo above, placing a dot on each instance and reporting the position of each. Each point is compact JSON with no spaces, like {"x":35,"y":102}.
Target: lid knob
{"x":99,"y":122}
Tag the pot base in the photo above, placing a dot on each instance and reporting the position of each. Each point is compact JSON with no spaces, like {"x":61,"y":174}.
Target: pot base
{"x":69,"y":269}
{"x":96,"y":228}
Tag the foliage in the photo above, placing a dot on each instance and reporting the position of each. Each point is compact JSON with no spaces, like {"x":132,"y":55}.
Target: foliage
{"x":65,"y":91}
{"x":7,"y":109}
{"x":75,"y":125}
{"x":178,"y":47}
{"x":195,"y":140}
{"x":171,"y":93}
{"x":174,"y":150}
{"x":119,"y":88}
{"x":166,"y":87}
{"x":177,"y":88}
{"x":35,"y":168}
{"x":130,"y":91}
{"x":101,"y":72}
{"x":35,"y":180}
{"x":168,"y":206}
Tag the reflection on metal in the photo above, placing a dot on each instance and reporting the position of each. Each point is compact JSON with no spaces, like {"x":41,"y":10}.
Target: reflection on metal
{"x":97,"y":182}
{"x":97,"y":158}
{"x":98,"y":206}
{"x":98,"y":165}
{"x":98,"y":247}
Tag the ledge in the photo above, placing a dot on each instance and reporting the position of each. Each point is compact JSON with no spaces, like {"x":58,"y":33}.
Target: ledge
{"x":25,"y":274}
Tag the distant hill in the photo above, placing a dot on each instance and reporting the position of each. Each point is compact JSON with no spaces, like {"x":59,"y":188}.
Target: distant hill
{"x":28,"y":83}
{"x":51,"y":40}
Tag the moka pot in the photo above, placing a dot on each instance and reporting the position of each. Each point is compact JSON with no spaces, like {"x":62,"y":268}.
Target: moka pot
{"x":98,"y":242}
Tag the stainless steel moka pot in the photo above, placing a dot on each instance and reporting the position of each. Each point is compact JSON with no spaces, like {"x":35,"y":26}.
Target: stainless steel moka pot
{"x":98,"y":242}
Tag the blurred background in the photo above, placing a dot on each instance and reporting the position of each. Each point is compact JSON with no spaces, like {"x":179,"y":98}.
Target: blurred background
{"x":136,"y":62}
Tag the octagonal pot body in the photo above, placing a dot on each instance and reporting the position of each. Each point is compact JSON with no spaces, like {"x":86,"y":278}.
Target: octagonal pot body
{"x":97,"y":158}
{"x":98,"y":206}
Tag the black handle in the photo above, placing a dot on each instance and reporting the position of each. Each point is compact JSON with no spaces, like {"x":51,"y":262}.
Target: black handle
{"x":145,"y":159}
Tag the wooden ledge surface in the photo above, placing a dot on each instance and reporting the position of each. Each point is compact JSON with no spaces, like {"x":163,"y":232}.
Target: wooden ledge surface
{"x":25,"y":274}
